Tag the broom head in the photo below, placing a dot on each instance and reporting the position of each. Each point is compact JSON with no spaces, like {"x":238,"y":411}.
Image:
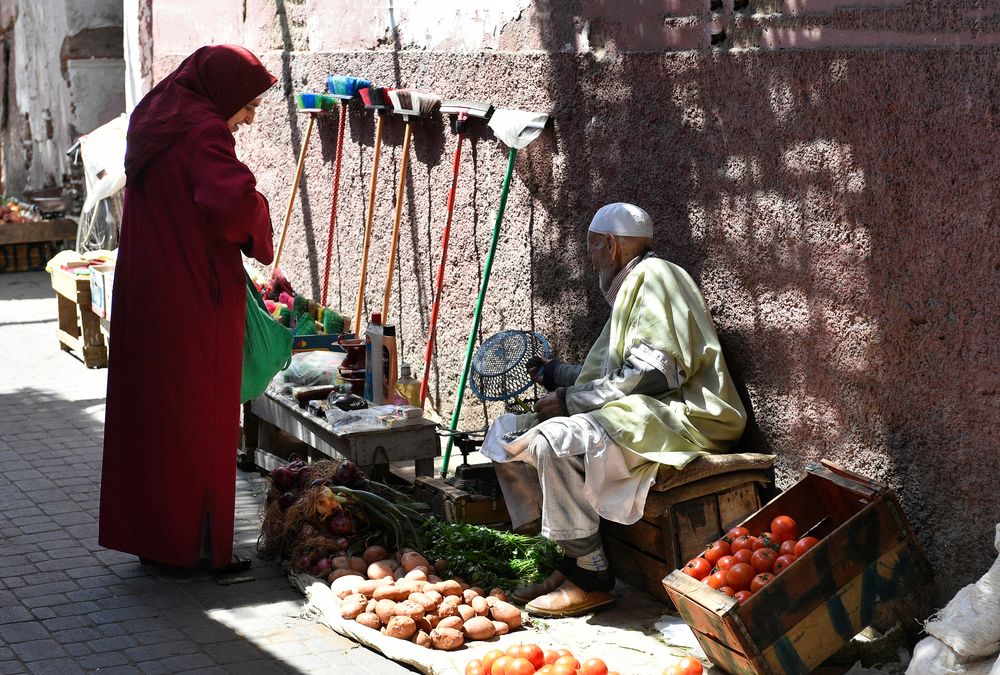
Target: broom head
{"x":412,"y":103}
{"x":312,"y":102}
{"x":376,"y":98}
{"x":517,"y":128}
{"x":345,"y":87}
{"x":462,"y":111}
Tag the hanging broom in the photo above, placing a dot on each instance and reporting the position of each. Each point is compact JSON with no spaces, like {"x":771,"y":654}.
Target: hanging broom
{"x":412,"y":105}
{"x":461,"y":112}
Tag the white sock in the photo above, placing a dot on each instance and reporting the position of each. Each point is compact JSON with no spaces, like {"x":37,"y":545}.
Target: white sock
{"x":595,"y":561}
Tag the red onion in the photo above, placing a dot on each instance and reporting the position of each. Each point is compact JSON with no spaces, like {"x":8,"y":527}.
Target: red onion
{"x":339,"y":523}
{"x":323,"y":567}
{"x":283,"y":478}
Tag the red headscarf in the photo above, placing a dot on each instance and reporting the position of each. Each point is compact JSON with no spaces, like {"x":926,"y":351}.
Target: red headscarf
{"x":216,"y":80}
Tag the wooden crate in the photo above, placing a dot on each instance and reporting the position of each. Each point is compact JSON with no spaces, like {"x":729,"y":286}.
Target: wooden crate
{"x":677,"y":524}
{"x":454,"y":505}
{"x":26,"y":247}
{"x":867,"y":554}
{"x":79,"y":327}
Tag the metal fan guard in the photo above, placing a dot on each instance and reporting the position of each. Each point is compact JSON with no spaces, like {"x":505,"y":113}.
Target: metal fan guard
{"x":499,"y":367}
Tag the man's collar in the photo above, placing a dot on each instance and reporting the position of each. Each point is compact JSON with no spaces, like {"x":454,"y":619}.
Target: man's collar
{"x":616,"y":283}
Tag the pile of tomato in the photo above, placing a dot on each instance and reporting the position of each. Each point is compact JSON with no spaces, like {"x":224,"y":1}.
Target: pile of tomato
{"x":525,"y":659}
{"x":740,"y":564}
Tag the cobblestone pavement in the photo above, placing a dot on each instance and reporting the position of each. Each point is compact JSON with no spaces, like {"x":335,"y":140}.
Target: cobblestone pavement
{"x":69,"y":606}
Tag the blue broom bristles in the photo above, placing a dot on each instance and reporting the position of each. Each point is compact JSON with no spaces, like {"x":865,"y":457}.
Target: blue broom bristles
{"x":345,"y":86}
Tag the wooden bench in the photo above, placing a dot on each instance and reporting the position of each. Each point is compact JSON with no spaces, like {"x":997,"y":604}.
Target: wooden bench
{"x":79,"y":327}
{"x":685,"y":510}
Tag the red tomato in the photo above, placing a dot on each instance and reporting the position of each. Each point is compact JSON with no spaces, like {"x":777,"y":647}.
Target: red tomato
{"x":568,"y":661}
{"x":474,"y":667}
{"x":697,"y":568}
{"x":564,"y":652}
{"x":782,"y":562}
{"x":743,"y":596}
{"x":725,"y":562}
{"x":717,"y":580}
{"x":804,"y":544}
{"x":519,"y":667}
{"x":737,"y":532}
{"x":719,"y":550}
{"x":551,"y":655}
{"x":760,"y":581}
{"x":769,"y":540}
{"x":548,"y":669}
{"x":784,"y":527}
{"x":594,"y":667}
{"x":787,"y":547}
{"x":690,"y":666}
{"x":534,"y":654}
{"x":739,"y":576}
{"x":499,"y":666}
{"x":729,"y":590}
{"x":514,"y":651}
{"x":488,"y":659}
{"x":563,"y":669}
{"x":743,"y":556}
{"x":744,"y":542}
{"x":673,"y":670}
{"x":762,"y":559}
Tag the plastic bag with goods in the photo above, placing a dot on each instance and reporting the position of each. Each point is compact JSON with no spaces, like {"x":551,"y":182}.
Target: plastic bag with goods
{"x":312,"y":368}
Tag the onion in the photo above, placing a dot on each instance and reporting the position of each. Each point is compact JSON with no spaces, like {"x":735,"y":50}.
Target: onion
{"x":283,"y":478}
{"x":302,"y":563}
{"x":339,"y":524}
{"x":345,"y":473}
{"x":307,"y":531}
{"x":286,"y":500}
{"x":323,"y":567}
{"x":305,"y":476}
{"x":325,"y":503}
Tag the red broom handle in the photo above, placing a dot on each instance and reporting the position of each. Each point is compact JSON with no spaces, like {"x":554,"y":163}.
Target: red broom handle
{"x":333,"y":206}
{"x":431,"y":332}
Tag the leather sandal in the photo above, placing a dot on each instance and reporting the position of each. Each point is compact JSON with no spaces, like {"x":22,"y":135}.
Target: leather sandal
{"x":569,"y":600}
{"x":522,"y":595}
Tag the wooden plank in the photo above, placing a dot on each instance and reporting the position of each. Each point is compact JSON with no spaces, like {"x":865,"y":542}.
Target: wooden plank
{"x":736,"y":504}
{"x":798,"y":501}
{"x":707,"y":611}
{"x":644,"y":535}
{"x":818,"y":635}
{"x":725,"y":658}
{"x":695,"y":524}
{"x":41,"y":231}
{"x":69,"y":285}
{"x":637,"y":568}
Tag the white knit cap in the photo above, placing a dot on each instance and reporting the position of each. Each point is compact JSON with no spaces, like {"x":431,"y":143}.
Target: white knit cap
{"x":622,"y":220}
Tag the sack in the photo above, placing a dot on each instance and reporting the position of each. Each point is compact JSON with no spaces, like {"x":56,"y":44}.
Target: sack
{"x":267,"y":346}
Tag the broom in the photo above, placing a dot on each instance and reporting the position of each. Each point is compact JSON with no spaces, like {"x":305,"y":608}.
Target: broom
{"x":460,"y":112}
{"x":516,"y":128}
{"x":412,"y":105}
{"x":374,"y":99}
{"x":344,"y":89}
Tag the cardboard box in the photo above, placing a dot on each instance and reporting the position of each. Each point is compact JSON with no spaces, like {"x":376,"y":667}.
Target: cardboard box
{"x":97,"y":290}
{"x":867,"y":555}
{"x":109,"y":284}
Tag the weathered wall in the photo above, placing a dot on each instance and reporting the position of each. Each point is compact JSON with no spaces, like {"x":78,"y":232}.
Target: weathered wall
{"x":827,"y":175}
{"x":64,"y":77}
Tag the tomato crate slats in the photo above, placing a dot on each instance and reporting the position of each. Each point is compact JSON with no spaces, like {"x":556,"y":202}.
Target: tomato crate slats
{"x":866,"y":555}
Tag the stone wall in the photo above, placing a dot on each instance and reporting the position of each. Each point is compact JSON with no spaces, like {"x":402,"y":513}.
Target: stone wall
{"x":823,"y":168}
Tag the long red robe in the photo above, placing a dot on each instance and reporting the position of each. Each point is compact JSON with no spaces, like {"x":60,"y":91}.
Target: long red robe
{"x":172,"y":420}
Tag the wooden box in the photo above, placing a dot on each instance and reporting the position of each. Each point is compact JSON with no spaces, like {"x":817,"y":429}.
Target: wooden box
{"x":457,"y":506}
{"x":678,"y":522}
{"x":867,"y":555}
{"x":79,"y":327}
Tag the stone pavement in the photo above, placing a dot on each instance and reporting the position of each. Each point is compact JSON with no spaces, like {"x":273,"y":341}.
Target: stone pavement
{"x":69,"y":606}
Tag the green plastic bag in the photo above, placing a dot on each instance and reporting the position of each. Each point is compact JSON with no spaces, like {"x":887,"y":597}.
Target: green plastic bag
{"x":267,"y":346}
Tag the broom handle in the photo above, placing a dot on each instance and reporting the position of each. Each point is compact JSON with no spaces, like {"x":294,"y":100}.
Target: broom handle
{"x":333,"y":206}
{"x":394,"y":246}
{"x":477,"y":316}
{"x":368,"y":226}
{"x":429,"y":351}
{"x":295,"y":187}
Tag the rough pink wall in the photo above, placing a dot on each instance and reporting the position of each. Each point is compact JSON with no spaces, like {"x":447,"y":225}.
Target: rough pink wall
{"x":836,"y":206}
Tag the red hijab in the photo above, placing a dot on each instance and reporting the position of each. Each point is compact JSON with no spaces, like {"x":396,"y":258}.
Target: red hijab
{"x":216,"y":80}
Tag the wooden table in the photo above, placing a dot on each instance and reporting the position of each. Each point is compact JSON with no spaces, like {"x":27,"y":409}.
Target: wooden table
{"x":28,"y":246}
{"x":267,"y":413}
{"x":79,"y":327}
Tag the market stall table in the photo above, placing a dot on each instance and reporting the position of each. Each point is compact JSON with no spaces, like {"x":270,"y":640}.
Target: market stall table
{"x":79,"y":328}
{"x":270,"y":412}
{"x":26,"y":246}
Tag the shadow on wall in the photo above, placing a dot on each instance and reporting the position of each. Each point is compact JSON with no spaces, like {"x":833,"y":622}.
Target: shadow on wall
{"x":836,"y":209}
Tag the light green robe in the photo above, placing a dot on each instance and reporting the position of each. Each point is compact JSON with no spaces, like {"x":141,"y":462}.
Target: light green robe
{"x":660,"y":304}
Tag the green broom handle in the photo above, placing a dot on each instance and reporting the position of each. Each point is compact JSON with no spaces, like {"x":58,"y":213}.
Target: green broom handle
{"x":478,"y":315}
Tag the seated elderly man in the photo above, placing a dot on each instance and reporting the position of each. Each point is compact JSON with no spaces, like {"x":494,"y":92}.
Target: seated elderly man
{"x":653,"y":390}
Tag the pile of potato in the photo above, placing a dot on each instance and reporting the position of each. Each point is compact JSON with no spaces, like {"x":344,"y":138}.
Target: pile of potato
{"x":401,"y":597}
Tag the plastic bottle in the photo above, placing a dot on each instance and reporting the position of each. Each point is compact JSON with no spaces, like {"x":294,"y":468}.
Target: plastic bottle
{"x":407,"y":386}
{"x":389,"y":361}
{"x":374,"y":366}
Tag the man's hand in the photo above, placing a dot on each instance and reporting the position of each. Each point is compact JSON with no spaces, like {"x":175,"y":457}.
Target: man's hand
{"x":550,"y":406}
{"x":536,"y":364}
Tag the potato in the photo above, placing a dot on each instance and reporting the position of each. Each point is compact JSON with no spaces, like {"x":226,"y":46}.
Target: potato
{"x":370,"y":607}
{"x":478,"y":590}
{"x":433,"y":579}
{"x":448,"y":606}
{"x":391,"y":562}
{"x":479,"y":628}
{"x":468,"y":594}
{"x":385,"y":610}
{"x":450,"y":587}
{"x":353,"y":605}
{"x":374,"y":554}
{"x":358,"y":564}
{"x":416,"y":575}
{"x":368,"y":586}
{"x":379,"y":570}
{"x":422,"y":638}
{"x":391,"y":592}
{"x":446,"y":639}
{"x":499,"y":593}
{"x":409,"y":608}
{"x":398,"y":573}
{"x":466,"y":612}
{"x":345,"y":584}
{"x":402,"y":627}
{"x":369,"y":619}
{"x":492,"y":600}
{"x":506,"y":612}
{"x":502,"y":628}
{"x":424,"y":601}
{"x":433,"y":619}
{"x":411,"y":560}
{"x":424,"y":625}
{"x":450,"y":622}
{"x":440,"y":566}
{"x":337,"y":574}
{"x":480,"y":606}
{"x":433,"y":595}
{"x":342,"y":563}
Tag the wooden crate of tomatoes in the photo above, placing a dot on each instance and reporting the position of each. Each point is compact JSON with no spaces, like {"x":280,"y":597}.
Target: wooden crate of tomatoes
{"x":784,"y":590}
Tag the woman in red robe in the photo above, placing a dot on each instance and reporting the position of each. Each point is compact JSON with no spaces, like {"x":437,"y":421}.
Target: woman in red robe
{"x":172,"y":422}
